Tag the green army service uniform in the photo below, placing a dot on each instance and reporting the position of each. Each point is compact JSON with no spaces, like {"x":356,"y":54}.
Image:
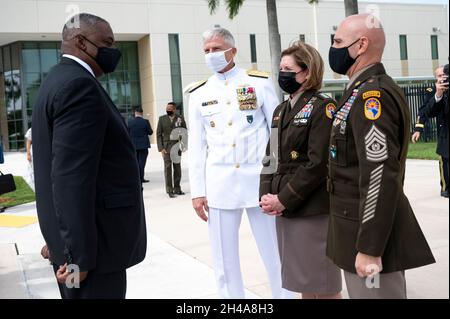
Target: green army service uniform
{"x":169,"y":135}
{"x":295,"y":169}
{"x":369,"y":210}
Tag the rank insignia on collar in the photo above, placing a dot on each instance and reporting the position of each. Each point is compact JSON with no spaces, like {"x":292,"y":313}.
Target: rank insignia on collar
{"x":330,"y":110}
{"x":250,"y":119}
{"x":246,"y":96}
{"x":368,"y":94}
{"x":294,"y":155}
{"x":372,"y":109}
{"x":210,"y":103}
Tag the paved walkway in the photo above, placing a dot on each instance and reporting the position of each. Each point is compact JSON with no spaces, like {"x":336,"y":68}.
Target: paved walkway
{"x":178,"y":264}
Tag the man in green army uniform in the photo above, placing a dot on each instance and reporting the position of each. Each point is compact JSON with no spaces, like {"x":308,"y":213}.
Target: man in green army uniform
{"x":171,"y":135}
{"x":373,"y":233}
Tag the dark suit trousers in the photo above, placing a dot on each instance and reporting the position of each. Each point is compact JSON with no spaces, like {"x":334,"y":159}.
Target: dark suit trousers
{"x":172,"y":182}
{"x":443,"y":168}
{"x":97,"y":286}
{"x":142,"y":159}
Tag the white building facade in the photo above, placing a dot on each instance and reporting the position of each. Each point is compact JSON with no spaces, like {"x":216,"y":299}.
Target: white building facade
{"x":163,"y":46}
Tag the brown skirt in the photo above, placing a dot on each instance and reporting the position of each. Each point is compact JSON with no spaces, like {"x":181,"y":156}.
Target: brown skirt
{"x":305,"y":267}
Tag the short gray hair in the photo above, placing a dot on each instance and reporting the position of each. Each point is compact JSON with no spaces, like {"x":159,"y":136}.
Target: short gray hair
{"x":80,"y":22}
{"x":219,"y":33}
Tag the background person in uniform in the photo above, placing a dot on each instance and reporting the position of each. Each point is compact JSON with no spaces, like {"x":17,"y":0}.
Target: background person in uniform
{"x":140,"y":130}
{"x":372,"y":226}
{"x":88,"y":191}
{"x":438,"y":107}
{"x":169,"y":138}
{"x":297,"y":192}
{"x":421,"y":125}
{"x":229,"y":122}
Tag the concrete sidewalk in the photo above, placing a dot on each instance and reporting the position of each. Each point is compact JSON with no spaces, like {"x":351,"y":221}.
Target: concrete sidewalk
{"x":178,"y":263}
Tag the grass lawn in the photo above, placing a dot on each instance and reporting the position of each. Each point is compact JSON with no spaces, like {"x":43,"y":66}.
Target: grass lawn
{"x":22,"y":195}
{"x":423,"y":151}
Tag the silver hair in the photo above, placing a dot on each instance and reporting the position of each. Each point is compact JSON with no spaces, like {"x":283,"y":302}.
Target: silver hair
{"x":220,"y":33}
{"x":78,"y":22}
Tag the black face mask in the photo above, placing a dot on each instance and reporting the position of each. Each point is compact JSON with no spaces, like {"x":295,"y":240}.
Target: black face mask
{"x":288,"y":83}
{"x":107,"y":58}
{"x":340,"y":59}
{"x":170,"y":113}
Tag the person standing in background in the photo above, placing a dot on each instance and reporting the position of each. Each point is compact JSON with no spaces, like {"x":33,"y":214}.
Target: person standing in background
{"x":169,"y":135}
{"x":140,"y":130}
{"x":438,"y":107}
{"x":422,"y":123}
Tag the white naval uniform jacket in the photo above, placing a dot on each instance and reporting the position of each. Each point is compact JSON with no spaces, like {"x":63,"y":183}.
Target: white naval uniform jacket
{"x":228,"y":137}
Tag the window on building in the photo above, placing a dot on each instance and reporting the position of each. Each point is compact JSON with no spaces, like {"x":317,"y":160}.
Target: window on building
{"x":403,"y":48}
{"x":175,"y":71}
{"x":24,"y":65}
{"x":434,"y":47}
{"x":253,"y":48}
{"x":302,"y":37}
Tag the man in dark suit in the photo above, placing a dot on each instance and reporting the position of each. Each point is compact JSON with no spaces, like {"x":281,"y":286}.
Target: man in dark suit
{"x":438,"y":107}
{"x":170,"y":131}
{"x":140,"y":129}
{"x":435,"y":109}
{"x":88,"y":191}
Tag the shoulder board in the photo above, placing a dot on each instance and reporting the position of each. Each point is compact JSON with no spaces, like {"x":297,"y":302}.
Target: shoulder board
{"x":323,"y":96}
{"x":429,"y":90}
{"x":258,"y":74}
{"x":194,"y":86}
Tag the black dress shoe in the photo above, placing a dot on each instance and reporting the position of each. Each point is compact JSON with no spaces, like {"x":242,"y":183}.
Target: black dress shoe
{"x":180,"y":193}
{"x":145,"y":181}
{"x":171,"y":195}
{"x":444,"y":194}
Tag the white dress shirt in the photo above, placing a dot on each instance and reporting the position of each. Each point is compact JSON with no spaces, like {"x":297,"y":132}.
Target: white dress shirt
{"x":83,"y":64}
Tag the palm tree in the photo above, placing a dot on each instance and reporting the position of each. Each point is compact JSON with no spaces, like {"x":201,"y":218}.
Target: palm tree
{"x":233,"y":7}
{"x":351,"y":7}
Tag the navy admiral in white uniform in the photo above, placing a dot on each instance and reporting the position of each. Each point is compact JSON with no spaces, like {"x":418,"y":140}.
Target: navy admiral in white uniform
{"x":229,"y":120}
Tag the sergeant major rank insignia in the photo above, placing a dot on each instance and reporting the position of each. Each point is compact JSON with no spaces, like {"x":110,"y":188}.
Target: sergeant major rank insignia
{"x":246,"y":96}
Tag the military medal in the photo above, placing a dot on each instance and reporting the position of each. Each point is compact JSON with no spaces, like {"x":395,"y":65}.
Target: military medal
{"x":343,"y":126}
{"x":305,"y":113}
{"x":340,"y":118}
{"x":246,"y":96}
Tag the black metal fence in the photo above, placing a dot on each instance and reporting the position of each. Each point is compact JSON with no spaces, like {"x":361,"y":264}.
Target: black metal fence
{"x":415,"y":95}
{"x":415,"y":89}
